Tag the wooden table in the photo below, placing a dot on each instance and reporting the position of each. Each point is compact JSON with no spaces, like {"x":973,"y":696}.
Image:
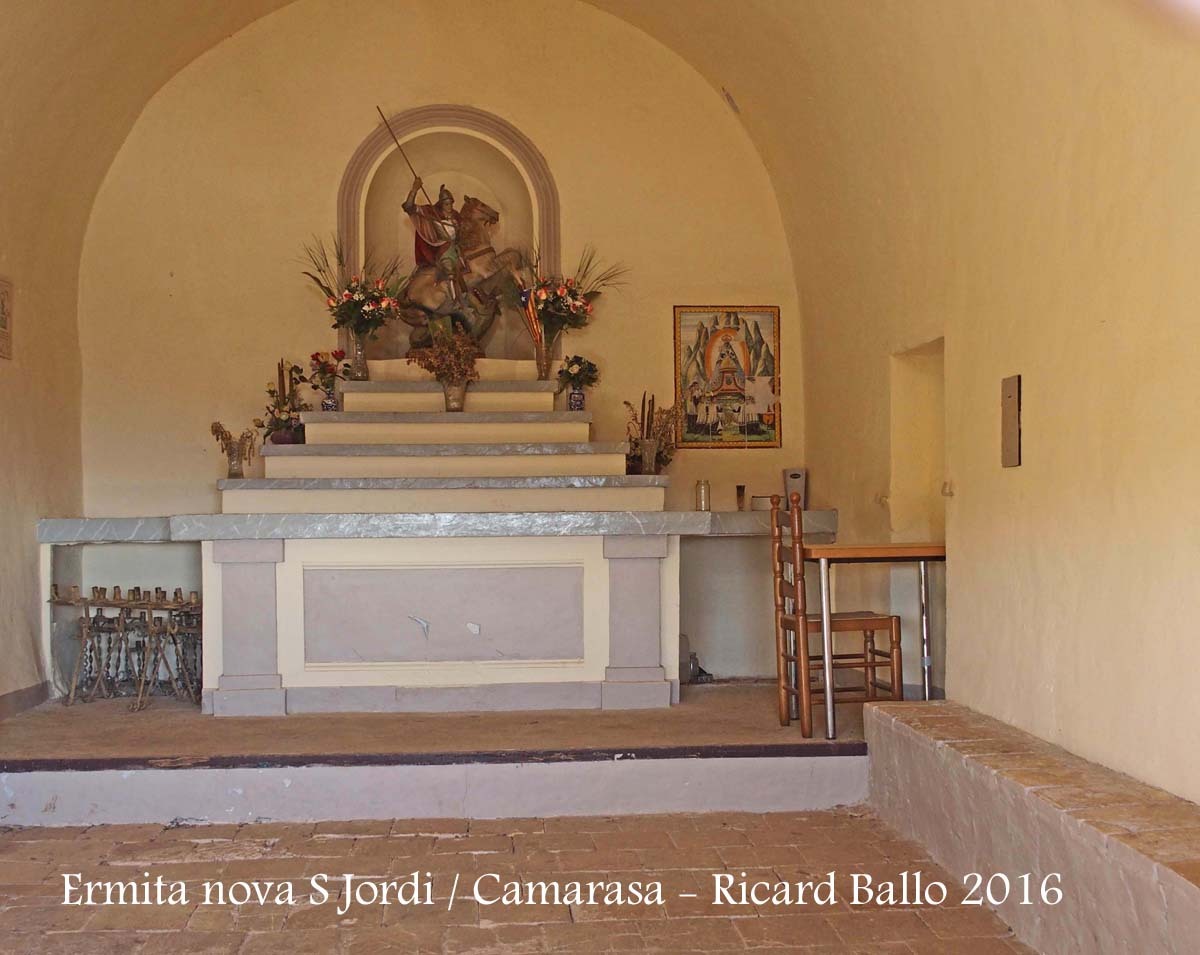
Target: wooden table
{"x":828,"y":554}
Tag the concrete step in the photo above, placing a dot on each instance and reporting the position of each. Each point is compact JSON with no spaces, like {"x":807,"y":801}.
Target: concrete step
{"x":444,"y":460}
{"x":441,"y":427}
{"x":489,"y":369}
{"x":428,"y":396}
{"x":442,"y":495}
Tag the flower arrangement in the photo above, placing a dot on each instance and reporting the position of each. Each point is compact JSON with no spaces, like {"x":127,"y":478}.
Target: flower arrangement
{"x":550,"y":305}
{"x":325,"y":370}
{"x":649,"y":431}
{"x":361,"y":303}
{"x":577,"y":373}
{"x":451,"y":360}
{"x":281,"y":422}
{"x":451,"y":357}
{"x":237,"y":450}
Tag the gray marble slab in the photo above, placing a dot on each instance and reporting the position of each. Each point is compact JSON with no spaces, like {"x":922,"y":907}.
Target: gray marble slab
{"x":103,"y":530}
{"x":348,"y":526}
{"x":820,"y":526}
{"x":755,"y":523}
{"x":446,"y":417}
{"x":433,"y":483}
{"x":393,"y":387}
{"x":437,"y":450}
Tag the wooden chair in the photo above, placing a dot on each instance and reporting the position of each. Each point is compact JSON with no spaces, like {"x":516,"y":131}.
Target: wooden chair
{"x":800,"y":671}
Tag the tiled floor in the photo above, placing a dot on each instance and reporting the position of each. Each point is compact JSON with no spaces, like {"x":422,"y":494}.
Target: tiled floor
{"x":719,"y":714}
{"x":683,"y":852}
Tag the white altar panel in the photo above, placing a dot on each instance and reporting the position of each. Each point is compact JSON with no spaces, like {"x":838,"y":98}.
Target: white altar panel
{"x":566,"y":578}
{"x":409,"y":614}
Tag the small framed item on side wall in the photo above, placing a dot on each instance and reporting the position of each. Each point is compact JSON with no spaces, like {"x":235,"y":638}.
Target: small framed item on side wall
{"x":6,"y":318}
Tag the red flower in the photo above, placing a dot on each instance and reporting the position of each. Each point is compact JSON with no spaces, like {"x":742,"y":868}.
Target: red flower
{"x":331,"y":302}
{"x":339,"y":355}
{"x":346,"y":296}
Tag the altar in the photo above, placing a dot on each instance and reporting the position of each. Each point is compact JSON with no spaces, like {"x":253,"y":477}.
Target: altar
{"x":414,"y":560}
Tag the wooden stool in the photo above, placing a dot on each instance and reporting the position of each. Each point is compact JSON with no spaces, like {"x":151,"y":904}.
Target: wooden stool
{"x":801,"y":672}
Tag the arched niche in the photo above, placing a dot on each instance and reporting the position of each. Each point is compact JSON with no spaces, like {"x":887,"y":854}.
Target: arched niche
{"x":473,"y":152}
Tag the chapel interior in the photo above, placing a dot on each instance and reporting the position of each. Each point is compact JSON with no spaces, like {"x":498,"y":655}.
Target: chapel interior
{"x":928,"y":263}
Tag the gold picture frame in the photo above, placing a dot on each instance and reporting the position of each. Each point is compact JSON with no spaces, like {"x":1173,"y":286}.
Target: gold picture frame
{"x":727,"y":392}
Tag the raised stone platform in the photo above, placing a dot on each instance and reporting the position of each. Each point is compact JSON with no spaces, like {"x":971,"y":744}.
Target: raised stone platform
{"x":482,"y":396}
{"x":985,"y":797}
{"x":441,"y":428}
{"x":721,"y":748}
{"x":445,"y":460}
{"x":461,"y":494}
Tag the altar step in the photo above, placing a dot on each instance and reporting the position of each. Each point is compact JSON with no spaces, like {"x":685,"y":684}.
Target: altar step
{"x":482,"y":396}
{"x":441,"y":427}
{"x":442,"y":495}
{"x":552,"y":459}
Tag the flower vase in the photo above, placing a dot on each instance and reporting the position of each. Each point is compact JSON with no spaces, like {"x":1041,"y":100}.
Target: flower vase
{"x":543,"y":354}
{"x":288,"y":436}
{"x":648,"y":447}
{"x":456,"y":394}
{"x":235,"y":471}
{"x":575,"y":399}
{"x":358,"y":357}
{"x":329,"y":402}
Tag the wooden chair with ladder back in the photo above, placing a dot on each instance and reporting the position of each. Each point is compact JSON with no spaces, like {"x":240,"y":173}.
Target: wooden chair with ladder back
{"x":800,"y":672}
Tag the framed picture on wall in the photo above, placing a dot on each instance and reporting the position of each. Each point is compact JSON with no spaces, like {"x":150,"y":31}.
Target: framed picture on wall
{"x":6,"y":318}
{"x":727,"y":376}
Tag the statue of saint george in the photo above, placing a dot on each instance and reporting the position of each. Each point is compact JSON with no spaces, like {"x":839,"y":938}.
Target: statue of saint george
{"x":436,"y":241}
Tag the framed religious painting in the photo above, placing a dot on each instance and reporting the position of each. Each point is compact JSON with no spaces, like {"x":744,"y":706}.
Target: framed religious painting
{"x":6,"y":318}
{"x":727,"y":376}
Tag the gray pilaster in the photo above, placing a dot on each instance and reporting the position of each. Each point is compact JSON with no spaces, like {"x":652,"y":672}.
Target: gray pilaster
{"x":635,"y":677}
{"x":250,"y":684}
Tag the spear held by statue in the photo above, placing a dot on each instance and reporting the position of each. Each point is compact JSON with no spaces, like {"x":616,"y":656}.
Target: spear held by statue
{"x":402,"y":152}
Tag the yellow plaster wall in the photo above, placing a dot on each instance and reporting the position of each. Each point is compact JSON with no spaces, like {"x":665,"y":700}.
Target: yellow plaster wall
{"x":1022,"y":178}
{"x":57,"y":136}
{"x":190,"y":287}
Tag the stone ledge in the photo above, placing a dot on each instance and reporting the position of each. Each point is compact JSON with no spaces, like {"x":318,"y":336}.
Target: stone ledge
{"x":985,"y":797}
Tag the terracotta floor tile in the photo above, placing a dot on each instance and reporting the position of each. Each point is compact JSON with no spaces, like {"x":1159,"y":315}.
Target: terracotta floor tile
{"x":468,"y":940}
{"x":488,"y":845}
{"x":593,"y":937}
{"x":633,"y":839}
{"x":52,"y":917}
{"x":506,"y":827}
{"x":354,"y":827}
{"x":691,"y":935}
{"x":430,"y":827}
{"x":315,"y":942}
{"x":787,"y":931}
{"x":866,"y":926}
{"x":683,"y":852}
{"x":189,"y":943}
{"x":393,"y":940}
{"x":946,"y":946}
{"x":964,"y":922}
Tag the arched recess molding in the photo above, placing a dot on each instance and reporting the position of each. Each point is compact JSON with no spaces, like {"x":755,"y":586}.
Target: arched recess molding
{"x":375,"y":147}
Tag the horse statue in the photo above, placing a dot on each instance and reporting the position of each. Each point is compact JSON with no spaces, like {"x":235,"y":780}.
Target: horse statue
{"x":471,"y":299}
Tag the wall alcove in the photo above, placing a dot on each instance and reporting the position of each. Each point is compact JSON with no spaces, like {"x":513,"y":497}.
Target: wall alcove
{"x":472,"y":152}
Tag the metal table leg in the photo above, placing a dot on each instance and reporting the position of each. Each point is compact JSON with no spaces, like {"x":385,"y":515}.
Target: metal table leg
{"x":926,"y":651}
{"x":827,"y":650}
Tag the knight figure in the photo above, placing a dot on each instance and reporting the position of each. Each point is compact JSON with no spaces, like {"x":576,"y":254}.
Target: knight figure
{"x":437,"y":235}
